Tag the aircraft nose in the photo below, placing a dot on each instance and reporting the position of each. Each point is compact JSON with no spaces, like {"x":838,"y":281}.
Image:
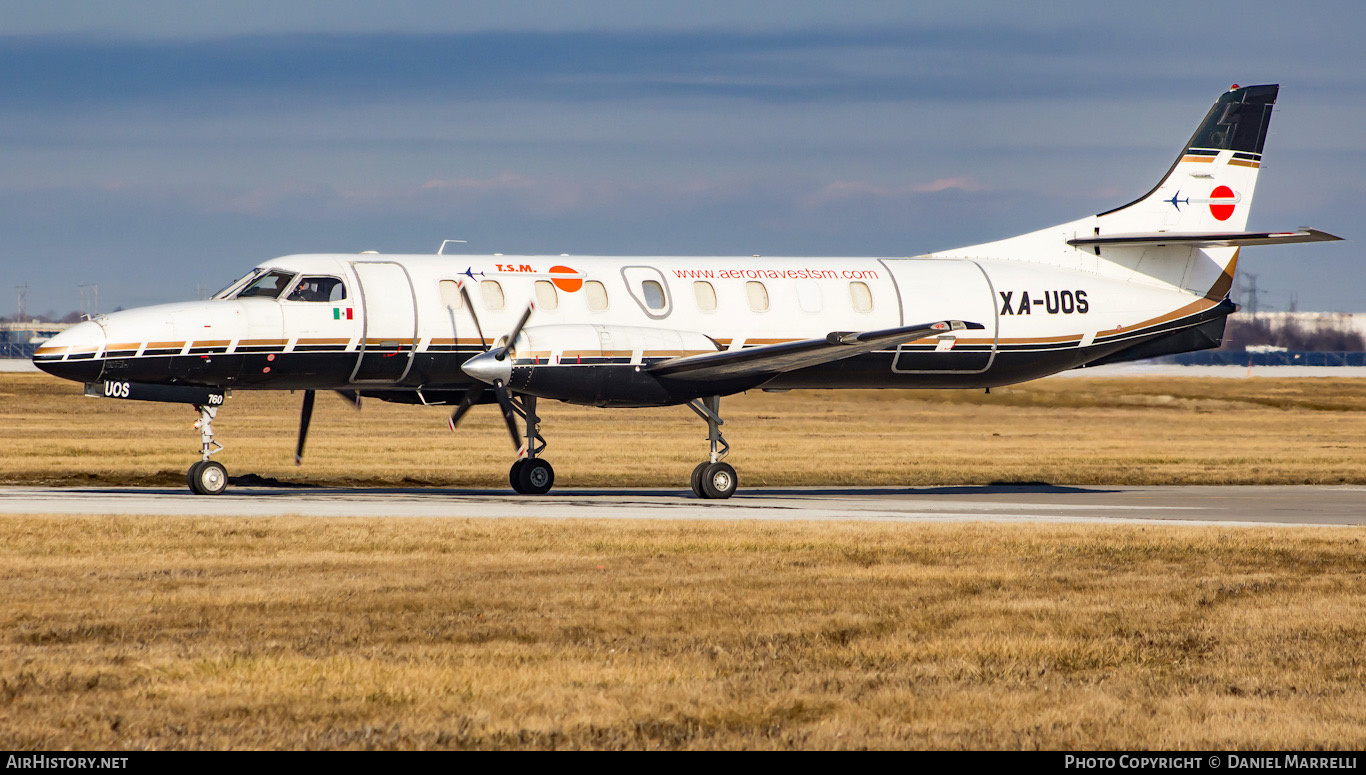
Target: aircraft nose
{"x":488,"y":367}
{"x":72,"y":354}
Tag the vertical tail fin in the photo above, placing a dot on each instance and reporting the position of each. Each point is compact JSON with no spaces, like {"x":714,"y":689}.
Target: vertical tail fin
{"x":1209,"y":187}
{"x":1207,"y":191}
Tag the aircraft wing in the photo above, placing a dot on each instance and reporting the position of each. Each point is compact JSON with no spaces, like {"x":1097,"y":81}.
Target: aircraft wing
{"x":789,"y":356}
{"x":1212,"y":239}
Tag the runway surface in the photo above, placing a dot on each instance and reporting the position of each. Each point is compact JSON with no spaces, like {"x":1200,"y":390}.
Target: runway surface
{"x":1199,"y":505}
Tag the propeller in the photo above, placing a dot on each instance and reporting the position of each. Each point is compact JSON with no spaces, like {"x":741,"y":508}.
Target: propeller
{"x":306,"y":417}
{"x":350,"y":395}
{"x":469,"y":305}
{"x":500,"y":391}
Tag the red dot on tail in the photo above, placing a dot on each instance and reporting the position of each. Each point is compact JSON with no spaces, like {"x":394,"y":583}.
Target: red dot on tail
{"x":1221,"y":211}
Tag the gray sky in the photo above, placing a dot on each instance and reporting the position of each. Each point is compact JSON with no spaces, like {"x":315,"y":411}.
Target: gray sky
{"x":153,"y":147}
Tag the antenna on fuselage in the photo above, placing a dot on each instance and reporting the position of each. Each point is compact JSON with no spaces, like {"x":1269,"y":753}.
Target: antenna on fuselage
{"x":90,"y":300}
{"x":442,"y":250}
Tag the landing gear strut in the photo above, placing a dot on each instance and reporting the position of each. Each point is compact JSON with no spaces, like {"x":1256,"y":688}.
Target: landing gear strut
{"x":207,"y":477}
{"x":713,"y":479}
{"x":530,"y":475}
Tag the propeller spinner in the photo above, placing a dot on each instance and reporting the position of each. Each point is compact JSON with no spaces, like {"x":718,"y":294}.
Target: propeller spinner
{"x":494,"y":367}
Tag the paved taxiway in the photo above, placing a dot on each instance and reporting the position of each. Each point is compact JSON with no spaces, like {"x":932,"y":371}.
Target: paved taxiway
{"x":1302,"y":505}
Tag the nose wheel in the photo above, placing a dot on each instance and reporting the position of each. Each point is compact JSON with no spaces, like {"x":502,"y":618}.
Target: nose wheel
{"x":713,"y":480}
{"x":207,"y":477}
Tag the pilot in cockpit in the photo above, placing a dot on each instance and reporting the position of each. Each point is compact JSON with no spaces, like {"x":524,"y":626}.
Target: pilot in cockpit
{"x":317,"y":289}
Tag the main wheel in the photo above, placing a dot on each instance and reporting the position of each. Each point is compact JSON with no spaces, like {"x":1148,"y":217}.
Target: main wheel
{"x":515,"y":475}
{"x":536,"y":477}
{"x":208,"y":478}
{"x":719,"y":481}
{"x":696,"y":481}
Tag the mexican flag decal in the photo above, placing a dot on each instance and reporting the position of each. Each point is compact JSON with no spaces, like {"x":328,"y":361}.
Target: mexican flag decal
{"x":341,"y":313}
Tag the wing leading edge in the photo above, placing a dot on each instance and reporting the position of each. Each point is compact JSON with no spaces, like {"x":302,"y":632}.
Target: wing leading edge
{"x":790,"y":356}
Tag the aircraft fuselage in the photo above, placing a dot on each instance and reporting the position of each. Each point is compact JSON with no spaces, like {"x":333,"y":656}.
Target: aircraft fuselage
{"x":397,"y":323}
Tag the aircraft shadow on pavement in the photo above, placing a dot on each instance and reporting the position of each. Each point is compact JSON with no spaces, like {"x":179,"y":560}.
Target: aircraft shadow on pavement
{"x":277,"y":489}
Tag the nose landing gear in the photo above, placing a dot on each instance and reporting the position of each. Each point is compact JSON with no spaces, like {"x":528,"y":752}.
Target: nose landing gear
{"x":713,"y":479}
{"x":207,"y":477}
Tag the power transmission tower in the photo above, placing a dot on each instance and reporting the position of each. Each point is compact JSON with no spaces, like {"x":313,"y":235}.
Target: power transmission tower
{"x":1251,"y":293}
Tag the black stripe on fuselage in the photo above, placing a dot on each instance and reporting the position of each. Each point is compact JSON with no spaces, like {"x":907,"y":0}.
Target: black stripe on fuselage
{"x":440,"y":370}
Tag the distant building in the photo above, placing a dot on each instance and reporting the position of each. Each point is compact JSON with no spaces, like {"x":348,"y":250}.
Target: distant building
{"x":19,"y":340}
{"x":1309,"y":321}
{"x":1286,"y":339}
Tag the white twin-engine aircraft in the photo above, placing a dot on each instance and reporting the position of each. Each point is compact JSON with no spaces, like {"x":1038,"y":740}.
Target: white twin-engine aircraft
{"x":1149,"y":278}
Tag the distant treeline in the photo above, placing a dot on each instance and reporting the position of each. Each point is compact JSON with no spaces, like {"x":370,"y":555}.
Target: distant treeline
{"x":1240,"y":334}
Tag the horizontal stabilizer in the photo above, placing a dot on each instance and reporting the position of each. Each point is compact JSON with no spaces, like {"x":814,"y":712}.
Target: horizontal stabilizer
{"x":1212,"y":239}
{"x":790,"y":356}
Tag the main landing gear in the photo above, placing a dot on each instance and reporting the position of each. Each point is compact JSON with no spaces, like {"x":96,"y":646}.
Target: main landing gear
{"x":530,"y":475}
{"x":713,"y":479}
{"x":207,"y":477}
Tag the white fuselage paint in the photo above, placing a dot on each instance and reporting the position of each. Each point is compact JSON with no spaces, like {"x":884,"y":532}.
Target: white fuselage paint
{"x":395,"y":301}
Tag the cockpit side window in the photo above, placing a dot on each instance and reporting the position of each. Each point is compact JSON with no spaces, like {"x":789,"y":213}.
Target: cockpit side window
{"x":318,"y":289}
{"x":268,"y":285}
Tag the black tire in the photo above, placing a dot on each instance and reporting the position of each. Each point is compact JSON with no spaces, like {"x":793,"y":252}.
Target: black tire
{"x":719,"y":481}
{"x":209,"y":478}
{"x":191,"y":474}
{"x":515,"y":475}
{"x":696,"y":481}
{"x":536,"y":477}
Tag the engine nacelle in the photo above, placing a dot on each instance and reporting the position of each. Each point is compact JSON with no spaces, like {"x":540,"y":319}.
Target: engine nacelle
{"x":603,"y":365}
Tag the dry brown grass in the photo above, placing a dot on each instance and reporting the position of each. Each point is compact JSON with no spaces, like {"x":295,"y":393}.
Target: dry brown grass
{"x":143,"y":632}
{"x":1074,"y":430}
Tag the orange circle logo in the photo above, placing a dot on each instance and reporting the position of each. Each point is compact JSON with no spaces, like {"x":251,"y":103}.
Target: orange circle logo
{"x":566,"y":279}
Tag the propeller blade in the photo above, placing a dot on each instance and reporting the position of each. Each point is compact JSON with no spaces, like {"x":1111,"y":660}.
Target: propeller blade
{"x":471,"y":398}
{"x":351,"y":396}
{"x":517,"y":329}
{"x":304,"y":419}
{"x":469,"y":305}
{"x":509,"y":414}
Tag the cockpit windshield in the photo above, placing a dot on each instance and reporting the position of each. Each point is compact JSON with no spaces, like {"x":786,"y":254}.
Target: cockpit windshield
{"x":268,"y":285}
{"x":227,"y":290}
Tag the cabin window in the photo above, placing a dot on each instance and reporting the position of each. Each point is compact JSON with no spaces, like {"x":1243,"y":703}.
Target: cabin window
{"x":492,"y":293}
{"x":861,"y":297}
{"x":546,"y":297}
{"x":268,"y":285}
{"x":654,"y":294}
{"x":450,"y":294}
{"x":809,"y":296}
{"x":758,"y":296}
{"x":318,"y":289}
{"x":706,"y":296}
{"x":596,"y":293}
